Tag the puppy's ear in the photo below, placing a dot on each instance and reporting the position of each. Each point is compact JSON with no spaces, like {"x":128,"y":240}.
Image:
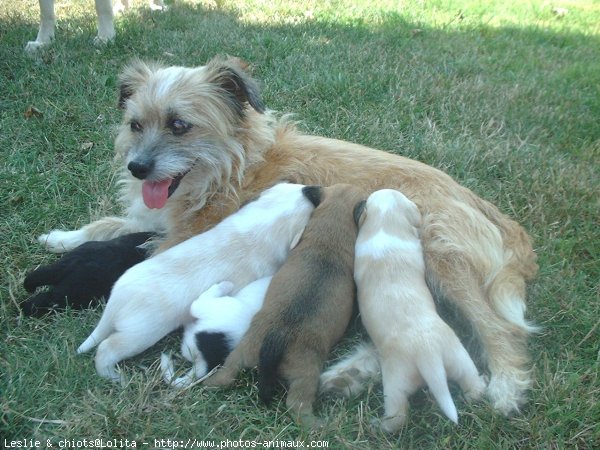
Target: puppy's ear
{"x":313,"y":193}
{"x":297,"y":238}
{"x":230,"y":76}
{"x":360,"y":212}
{"x":133,"y":76}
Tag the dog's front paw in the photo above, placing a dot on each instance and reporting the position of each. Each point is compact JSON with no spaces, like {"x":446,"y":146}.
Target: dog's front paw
{"x":58,"y":241}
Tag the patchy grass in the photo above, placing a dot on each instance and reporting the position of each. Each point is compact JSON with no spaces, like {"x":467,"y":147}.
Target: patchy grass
{"x":503,"y":95}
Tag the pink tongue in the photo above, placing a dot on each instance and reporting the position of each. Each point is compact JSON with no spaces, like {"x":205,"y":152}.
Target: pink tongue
{"x":156,"y":193}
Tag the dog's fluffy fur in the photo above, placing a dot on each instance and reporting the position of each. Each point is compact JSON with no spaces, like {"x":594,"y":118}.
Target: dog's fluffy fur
{"x":414,"y":344}
{"x":104,"y":11}
{"x":84,"y":275}
{"x":153,"y":298}
{"x":220,"y":323}
{"x":307,"y":306}
{"x":204,"y":133}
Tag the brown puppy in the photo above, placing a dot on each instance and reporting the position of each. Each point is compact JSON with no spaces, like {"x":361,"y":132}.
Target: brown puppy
{"x":307,"y":307}
{"x":198,"y":142}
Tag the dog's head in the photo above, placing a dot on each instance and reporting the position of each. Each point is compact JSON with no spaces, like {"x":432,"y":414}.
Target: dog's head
{"x":184,"y":125}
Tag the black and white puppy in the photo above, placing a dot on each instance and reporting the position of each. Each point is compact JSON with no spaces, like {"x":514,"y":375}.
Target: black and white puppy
{"x":221,"y":320}
{"x":83,"y":275}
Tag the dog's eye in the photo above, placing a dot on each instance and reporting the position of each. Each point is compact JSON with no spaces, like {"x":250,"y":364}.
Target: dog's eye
{"x":135,"y":126}
{"x":179,"y":126}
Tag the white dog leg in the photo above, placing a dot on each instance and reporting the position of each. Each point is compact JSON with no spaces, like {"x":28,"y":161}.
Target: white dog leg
{"x":395,"y":392}
{"x":59,"y":241}
{"x":106,"y":27}
{"x":350,"y":376}
{"x":46,"y":30}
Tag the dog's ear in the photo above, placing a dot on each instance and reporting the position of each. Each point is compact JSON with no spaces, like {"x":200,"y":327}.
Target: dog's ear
{"x":313,"y":193}
{"x":230,"y":76}
{"x":132,"y":77}
{"x":297,"y":238}
{"x":360,"y":212}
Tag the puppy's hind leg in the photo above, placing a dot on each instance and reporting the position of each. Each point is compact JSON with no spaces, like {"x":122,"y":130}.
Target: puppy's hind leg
{"x":302,"y":373}
{"x":117,"y":347}
{"x":349,"y":376}
{"x":460,"y":368}
{"x":396,"y":390}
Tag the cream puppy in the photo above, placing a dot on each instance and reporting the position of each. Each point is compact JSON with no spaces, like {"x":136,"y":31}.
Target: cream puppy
{"x":221,"y":321}
{"x":415,"y":346}
{"x":153,"y":298}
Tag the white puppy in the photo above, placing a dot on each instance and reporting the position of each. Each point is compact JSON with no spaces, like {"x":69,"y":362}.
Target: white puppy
{"x":153,"y":298}
{"x":414,"y":344}
{"x":104,"y":10}
{"x":221,"y":322}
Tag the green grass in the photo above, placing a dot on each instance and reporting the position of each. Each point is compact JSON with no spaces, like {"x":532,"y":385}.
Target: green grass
{"x":503,"y":95}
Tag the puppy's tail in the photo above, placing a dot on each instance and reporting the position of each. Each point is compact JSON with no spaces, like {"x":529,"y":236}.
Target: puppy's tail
{"x":434,"y":374}
{"x":44,"y":276}
{"x":101,"y":332}
{"x":272,"y":351}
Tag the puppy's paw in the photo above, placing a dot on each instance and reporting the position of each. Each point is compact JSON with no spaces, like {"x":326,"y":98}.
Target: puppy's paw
{"x":221,"y":378}
{"x":58,"y":241}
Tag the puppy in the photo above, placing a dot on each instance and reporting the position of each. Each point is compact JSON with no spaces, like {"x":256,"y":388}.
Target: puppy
{"x":221,"y":321}
{"x":84,"y":275}
{"x":198,"y":142}
{"x":104,"y":10}
{"x":153,"y":298}
{"x":415,"y":345}
{"x":307,"y":307}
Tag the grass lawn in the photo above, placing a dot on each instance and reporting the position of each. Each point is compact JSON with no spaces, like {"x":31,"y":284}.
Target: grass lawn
{"x":504,"y":95}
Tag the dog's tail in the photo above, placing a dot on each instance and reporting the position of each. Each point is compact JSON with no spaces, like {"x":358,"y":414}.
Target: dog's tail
{"x":101,"y":332}
{"x":44,"y":276}
{"x":434,"y":374}
{"x":272,"y":351}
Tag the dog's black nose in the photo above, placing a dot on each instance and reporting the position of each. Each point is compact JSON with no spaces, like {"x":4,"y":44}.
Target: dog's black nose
{"x":139,"y":170}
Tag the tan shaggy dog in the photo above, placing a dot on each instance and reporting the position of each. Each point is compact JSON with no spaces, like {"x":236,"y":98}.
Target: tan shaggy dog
{"x":415,"y":346}
{"x":198,"y":142}
{"x":307,"y":306}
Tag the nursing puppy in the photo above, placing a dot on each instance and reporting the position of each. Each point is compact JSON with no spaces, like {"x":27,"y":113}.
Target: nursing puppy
{"x":198,"y":142}
{"x":414,"y":344}
{"x":153,"y":298}
{"x":104,"y":10}
{"x":307,"y":307}
{"x":220,"y":322}
{"x":84,"y":275}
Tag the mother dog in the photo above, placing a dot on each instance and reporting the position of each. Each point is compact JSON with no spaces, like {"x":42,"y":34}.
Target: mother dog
{"x":198,"y":142}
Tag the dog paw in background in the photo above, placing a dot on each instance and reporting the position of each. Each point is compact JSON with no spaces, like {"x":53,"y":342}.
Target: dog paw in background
{"x":84,"y":274}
